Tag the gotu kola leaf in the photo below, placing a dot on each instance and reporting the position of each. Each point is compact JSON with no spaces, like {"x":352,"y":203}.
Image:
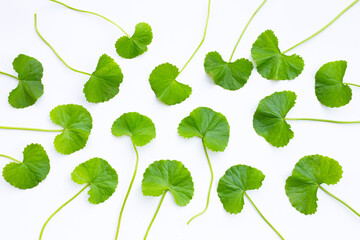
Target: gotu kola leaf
{"x":29,"y":173}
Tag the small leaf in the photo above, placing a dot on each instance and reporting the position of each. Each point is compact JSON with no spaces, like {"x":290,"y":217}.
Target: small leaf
{"x":329,"y":87}
{"x":271,"y":63}
{"x":104,"y":82}
{"x":101,"y":177}
{"x":137,"y":44}
{"x":207,"y":124}
{"x":30,"y":88}
{"x":228,"y":75}
{"x":234,"y":183}
{"x":77,"y":123}
{"x":34,"y":168}
{"x":269,"y":118}
{"x":309,"y":173}
{"x":168,"y":175}
{"x":139,"y":127}
{"x":163,"y":82}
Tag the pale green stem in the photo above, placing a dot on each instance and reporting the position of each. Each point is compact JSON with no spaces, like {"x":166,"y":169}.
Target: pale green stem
{"x":128,"y":191}
{"x":67,"y":65}
{"x":9,"y":75}
{"x":263,"y":216}
{"x":157,"y":210}
{"x":57,"y":210}
{"x":11,"y":158}
{"x":321,"y":120}
{"x":211,"y":182}
{"x":325,"y":27}
{"x":247,"y":25}
{"x":352,"y":84}
{"x":32,"y":129}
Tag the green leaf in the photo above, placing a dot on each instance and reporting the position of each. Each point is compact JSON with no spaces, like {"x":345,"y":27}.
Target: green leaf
{"x":100,"y":176}
{"x":329,"y":87}
{"x":34,"y":168}
{"x":228,"y":75}
{"x":30,"y":88}
{"x":233,"y":185}
{"x":309,"y":173}
{"x":269,"y":118}
{"x":271,"y":63}
{"x":137,"y":44}
{"x":168,"y":175}
{"x":163,"y":82}
{"x":104,"y":82}
{"x":139,"y":127}
{"x":207,"y":124}
{"x":77,"y":124}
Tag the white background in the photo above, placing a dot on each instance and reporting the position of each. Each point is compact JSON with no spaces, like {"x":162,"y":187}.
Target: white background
{"x":178,"y":27}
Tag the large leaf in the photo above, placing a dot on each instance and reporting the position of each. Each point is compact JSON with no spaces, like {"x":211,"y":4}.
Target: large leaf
{"x":77,"y":124}
{"x":163,"y":82}
{"x":130,"y":47}
{"x":100,"y":176}
{"x":34,"y":168}
{"x":269,"y":118}
{"x":139,"y":127}
{"x":168,"y":175}
{"x":309,"y":173}
{"x":271,"y":63}
{"x":229,"y":75}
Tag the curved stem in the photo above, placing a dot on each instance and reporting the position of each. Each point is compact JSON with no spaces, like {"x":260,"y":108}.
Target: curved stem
{"x":248,"y":23}
{"x":32,"y":129}
{"x":352,"y":84}
{"x":328,"y":193}
{"x":211,"y":182}
{"x":79,"y":10}
{"x":202,"y":41}
{"x":11,"y":158}
{"x":321,"y":120}
{"x":9,"y":75}
{"x":57,"y":210}
{"x":325,"y":27}
{"x":128,"y":191}
{"x":73,"y":69}
{"x":157,"y":210}
{"x":247,"y":196}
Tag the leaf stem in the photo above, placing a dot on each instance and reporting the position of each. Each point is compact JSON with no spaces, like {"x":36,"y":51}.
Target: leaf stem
{"x":128,"y":191}
{"x":32,"y":129}
{"x":157,"y":210}
{"x":352,"y":84}
{"x":202,"y":41}
{"x":321,"y":120}
{"x":247,"y":25}
{"x":57,"y":210}
{"x":11,"y":158}
{"x":325,"y":27}
{"x":4,"y":73}
{"x":211,"y":182}
{"x":73,"y":69}
{"x":247,"y":196}
{"x":79,"y":10}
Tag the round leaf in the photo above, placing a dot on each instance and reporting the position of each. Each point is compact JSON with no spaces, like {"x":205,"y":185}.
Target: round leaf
{"x":309,"y":173}
{"x":228,"y":75}
{"x":77,"y":124}
{"x":137,"y":44}
{"x":207,"y":124}
{"x":139,"y":127}
{"x":271,"y":63}
{"x":101,"y":177}
{"x":234,"y":183}
{"x":329,"y":87}
{"x":269,"y":118}
{"x":168,"y":175}
{"x":163,"y":82}
{"x":34,"y":168}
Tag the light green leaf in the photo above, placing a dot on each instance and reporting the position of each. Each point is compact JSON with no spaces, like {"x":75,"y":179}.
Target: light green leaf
{"x":163,"y":82}
{"x":228,"y":75}
{"x":139,"y":127}
{"x":271,"y":63}
{"x":309,"y":173}
{"x":137,"y":44}
{"x":168,"y":175}
{"x":101,"y":177}
{"x":34,"y":168}
{"x":207,"y":124}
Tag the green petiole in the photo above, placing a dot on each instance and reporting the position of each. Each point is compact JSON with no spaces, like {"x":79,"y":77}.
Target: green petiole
{"x":9,"y":75}
{"x":32,"y":129}
{"x":11,"y":158}
{"x":321,"y":120}
{"x":352,"y":84}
